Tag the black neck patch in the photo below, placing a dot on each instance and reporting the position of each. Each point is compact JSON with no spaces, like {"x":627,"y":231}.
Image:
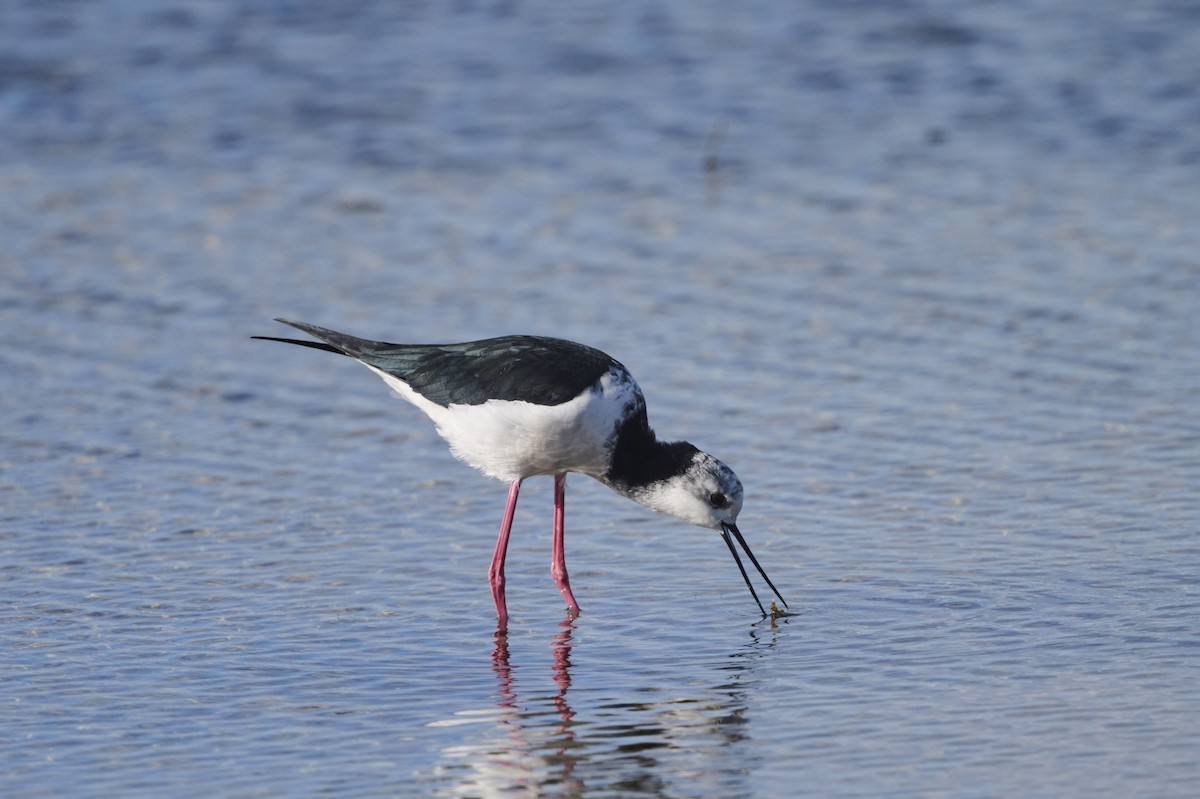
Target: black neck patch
{"x":639,"y":458}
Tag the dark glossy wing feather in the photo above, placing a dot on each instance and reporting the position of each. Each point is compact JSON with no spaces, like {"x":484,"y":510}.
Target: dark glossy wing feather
{"x":544,"y":371}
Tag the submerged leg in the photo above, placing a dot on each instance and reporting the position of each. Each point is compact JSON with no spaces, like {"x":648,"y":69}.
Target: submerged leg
{"x":558,"y":561}
{"x":496,"y":572}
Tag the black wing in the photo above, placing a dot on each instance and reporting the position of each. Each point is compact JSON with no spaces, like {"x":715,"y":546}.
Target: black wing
{"x":544,"y":371}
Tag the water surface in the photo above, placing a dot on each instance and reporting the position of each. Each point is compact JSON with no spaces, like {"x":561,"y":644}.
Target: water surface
{"x":925,"y":274}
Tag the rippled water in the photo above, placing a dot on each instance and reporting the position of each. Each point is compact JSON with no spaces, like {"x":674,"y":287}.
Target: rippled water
{"x":925,"y":274}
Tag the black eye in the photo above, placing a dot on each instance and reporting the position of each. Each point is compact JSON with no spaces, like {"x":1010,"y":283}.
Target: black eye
{"x":717,"y":500}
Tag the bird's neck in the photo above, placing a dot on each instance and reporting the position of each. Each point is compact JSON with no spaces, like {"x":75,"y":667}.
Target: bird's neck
{"x":639,"y":460}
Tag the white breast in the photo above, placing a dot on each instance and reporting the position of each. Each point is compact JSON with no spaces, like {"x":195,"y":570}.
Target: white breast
{"x":511,"y":439}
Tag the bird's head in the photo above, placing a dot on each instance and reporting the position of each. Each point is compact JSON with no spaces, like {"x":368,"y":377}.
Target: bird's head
{"x":706,"y":493}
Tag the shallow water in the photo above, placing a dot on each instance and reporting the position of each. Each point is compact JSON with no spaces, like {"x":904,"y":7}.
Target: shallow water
{"x":925,"y":274}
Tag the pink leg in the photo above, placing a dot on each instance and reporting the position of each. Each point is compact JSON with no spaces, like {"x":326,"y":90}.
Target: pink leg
{"x":496,"y":572}
{"x":558,"y":562}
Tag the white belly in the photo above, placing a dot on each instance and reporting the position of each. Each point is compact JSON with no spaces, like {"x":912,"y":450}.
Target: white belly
{"x":511,"y":440}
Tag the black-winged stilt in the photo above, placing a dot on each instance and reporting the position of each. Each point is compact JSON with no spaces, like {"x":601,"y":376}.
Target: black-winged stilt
{"x":520,"y":406}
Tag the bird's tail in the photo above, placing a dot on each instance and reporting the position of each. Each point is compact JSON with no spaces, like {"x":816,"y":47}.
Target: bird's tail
{"x":332,"y":341}
{"x":316,"y":345}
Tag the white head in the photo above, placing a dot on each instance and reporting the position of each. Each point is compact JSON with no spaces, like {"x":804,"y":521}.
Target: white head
{"x":707,"y":493}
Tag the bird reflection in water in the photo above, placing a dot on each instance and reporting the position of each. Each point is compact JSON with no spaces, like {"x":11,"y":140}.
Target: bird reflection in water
{"x":508,"y":703}
{"x":628,"y":731}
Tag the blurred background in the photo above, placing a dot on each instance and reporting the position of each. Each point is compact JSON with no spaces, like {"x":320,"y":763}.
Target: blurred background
{"x":924,"y":273}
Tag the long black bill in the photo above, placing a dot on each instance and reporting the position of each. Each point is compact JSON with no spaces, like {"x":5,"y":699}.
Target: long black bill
{"x":726,"y":529}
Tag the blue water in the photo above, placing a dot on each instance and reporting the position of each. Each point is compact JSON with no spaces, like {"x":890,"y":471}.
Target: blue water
{"x":925,"y":274}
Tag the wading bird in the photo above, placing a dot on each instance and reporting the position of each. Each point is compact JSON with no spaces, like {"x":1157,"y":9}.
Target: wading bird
{"x":520,"y":406}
